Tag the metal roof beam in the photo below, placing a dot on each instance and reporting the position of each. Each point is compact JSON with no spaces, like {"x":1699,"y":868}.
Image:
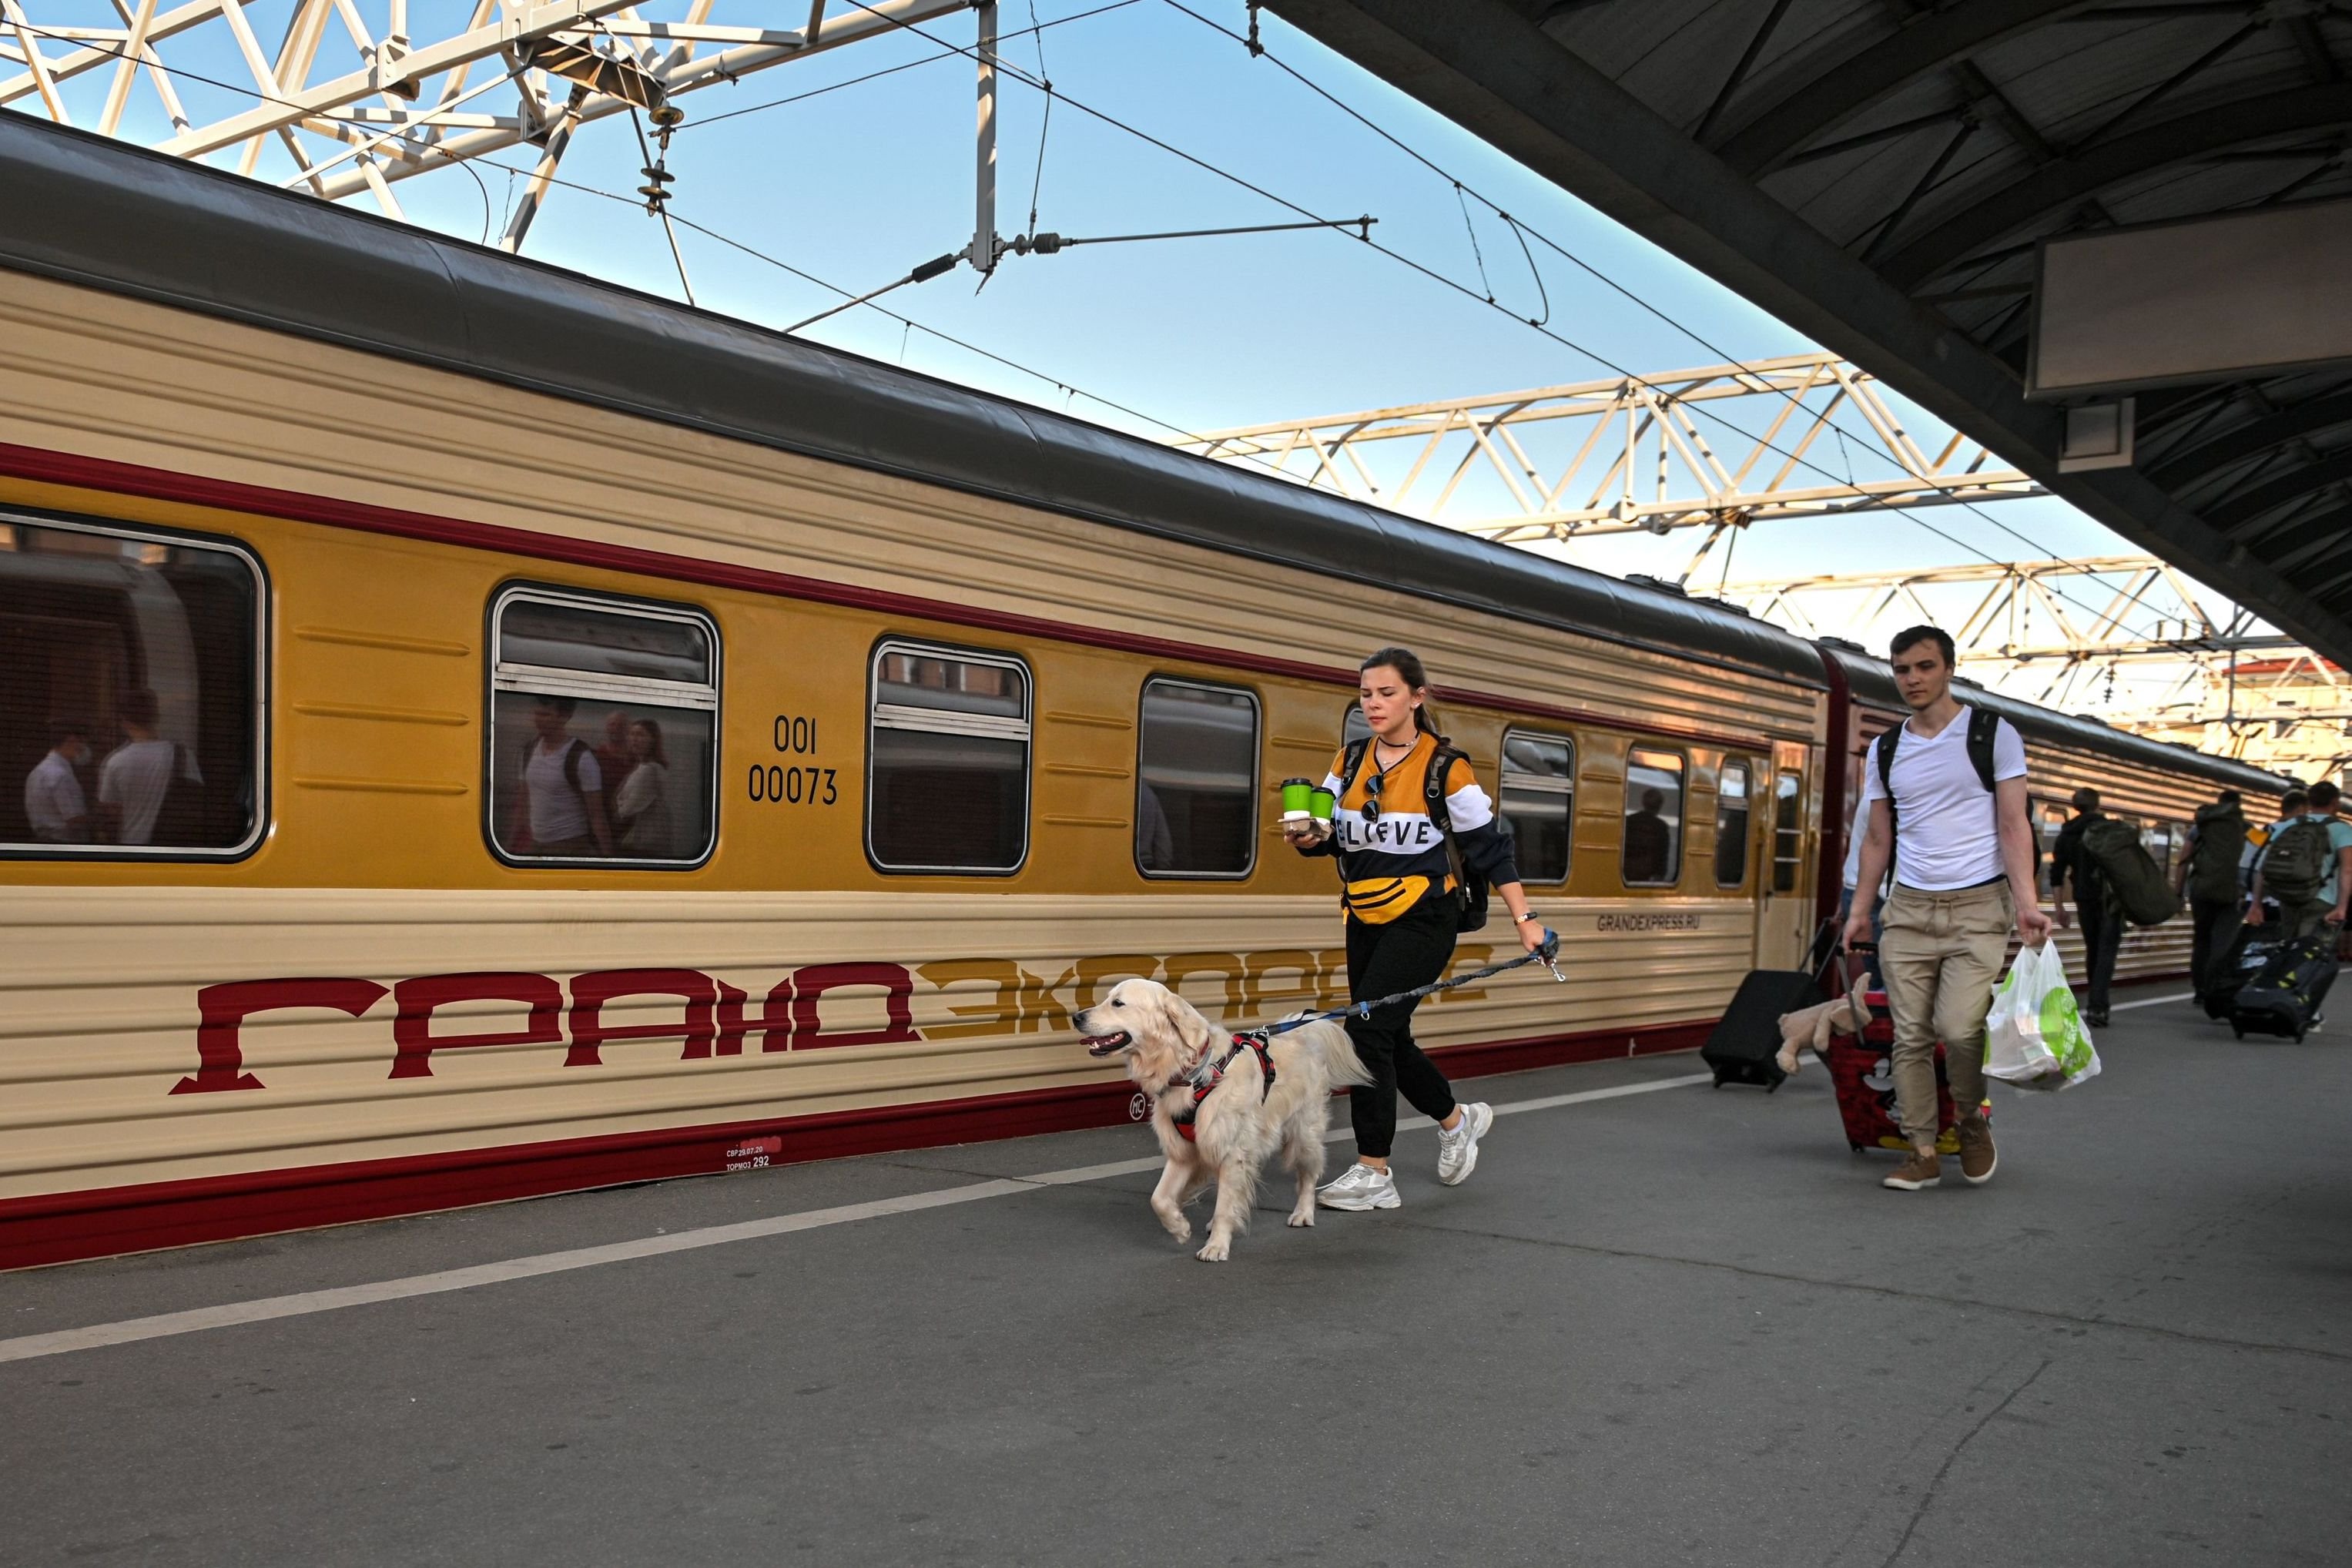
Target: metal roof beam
{"x":1820,"y":95}
{"x":2252,"y":440}
{"x":2050,"y":191}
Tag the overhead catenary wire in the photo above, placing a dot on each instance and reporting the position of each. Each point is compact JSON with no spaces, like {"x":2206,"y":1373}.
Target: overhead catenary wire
{"x":1257,"y":50}
{"x":1434,"y":276}
{"x":1068,"y":389}
{"x":929,"y":60}
{"x":1018,"y":74}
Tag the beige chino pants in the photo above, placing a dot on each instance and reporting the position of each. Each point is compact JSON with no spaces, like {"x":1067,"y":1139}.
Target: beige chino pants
{"x":1941,"y":956}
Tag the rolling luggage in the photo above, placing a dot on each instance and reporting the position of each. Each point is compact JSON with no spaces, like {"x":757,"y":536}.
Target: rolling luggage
{"x":1862,"y":1074}
{"x":2227,"y":973}
{"x":1748,"y":1036}
{"x":2283,"y":999}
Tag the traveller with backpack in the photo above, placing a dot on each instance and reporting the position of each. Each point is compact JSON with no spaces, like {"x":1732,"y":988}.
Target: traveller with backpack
{"x":2075,"y":877}
{"x":560,"y":810}
{"x":1946,"y":794}
{"x":2209,"y":880}
{"x":1419,"y":846}
{"x":2307,"y":868}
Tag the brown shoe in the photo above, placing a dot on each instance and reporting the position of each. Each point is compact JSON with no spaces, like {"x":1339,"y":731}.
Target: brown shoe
{"x":1923,"y":1169}
{"x":1977,"y":1157}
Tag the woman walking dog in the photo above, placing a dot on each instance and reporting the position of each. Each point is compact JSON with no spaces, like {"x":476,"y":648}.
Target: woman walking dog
{"x":1403,"y":905}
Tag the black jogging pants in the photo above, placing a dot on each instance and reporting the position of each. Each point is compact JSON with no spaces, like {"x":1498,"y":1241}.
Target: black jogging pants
{"x":1410,"y":951}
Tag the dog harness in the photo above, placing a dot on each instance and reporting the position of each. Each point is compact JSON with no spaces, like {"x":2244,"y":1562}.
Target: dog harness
{"x":1207,"y":1075}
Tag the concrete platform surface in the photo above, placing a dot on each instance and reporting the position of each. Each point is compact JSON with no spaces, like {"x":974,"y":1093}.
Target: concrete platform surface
{"x":1670,"y":1326}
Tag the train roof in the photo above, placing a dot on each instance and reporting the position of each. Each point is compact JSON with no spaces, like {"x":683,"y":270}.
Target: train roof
{"x":93,"y":211}
{"x":1873,"y":683}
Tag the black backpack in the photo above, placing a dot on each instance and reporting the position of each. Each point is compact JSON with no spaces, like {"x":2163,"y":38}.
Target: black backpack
{"x":1470,"y":891}
{"x":1983,"y":725}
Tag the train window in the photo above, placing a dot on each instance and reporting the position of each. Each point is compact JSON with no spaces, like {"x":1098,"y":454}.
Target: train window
{"x":1653,"y":854}
{"x":1788,"y":832}
{"x":1354,"y":726}
{"x":131,"y":722}
{"x":1196,"y":781}
{"x":948,"y":777}
{"x":604,"y":732}
{"x":1539,"y":782}
{"x":1731,"y":825}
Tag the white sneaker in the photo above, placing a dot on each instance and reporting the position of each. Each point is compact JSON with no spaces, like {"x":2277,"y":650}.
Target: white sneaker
{"x":1457,"y":1152}
{"x":1360,"y":1187}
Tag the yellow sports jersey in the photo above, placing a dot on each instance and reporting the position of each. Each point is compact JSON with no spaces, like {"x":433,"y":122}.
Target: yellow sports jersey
{"x":1392,"y":858}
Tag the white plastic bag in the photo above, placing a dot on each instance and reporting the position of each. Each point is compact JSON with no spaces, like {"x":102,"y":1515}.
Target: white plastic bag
{"x":2034,"y":1037}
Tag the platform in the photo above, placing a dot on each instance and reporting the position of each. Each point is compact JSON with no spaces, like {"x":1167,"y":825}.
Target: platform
{"x":1660,"y":1325}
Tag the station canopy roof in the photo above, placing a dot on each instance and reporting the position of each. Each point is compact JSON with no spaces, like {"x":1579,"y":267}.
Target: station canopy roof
{"x":1881,"y":173}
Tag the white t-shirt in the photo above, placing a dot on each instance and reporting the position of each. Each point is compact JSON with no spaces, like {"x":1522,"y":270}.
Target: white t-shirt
{"x":1945,"y":832}
{"x":558,"y":814}
{"x":1854,"y":831}
{"x":134,"y":779}
{"x":53,"y":799}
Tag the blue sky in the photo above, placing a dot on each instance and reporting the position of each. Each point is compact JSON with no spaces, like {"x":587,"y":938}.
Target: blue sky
{"x":859,"y":184}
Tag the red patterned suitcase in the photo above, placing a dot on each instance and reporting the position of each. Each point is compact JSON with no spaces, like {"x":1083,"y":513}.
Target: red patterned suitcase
{"x":1862,"y":1071}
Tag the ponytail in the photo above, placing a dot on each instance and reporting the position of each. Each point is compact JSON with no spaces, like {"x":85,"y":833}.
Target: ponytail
{"x":1408,"y":666}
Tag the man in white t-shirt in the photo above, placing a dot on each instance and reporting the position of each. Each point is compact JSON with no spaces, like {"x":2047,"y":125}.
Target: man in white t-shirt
{"x":1945,"y":794}
{"x":137,"y":776}
{"x":55,"y":806}
{"x":561,"y":804}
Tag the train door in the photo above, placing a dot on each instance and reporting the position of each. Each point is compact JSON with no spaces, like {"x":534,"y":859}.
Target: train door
{"x":1785,"y":906}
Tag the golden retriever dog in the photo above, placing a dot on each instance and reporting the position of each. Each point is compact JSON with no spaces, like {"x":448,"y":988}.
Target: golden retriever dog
{"x":1814,"y":1025}
{"x":1170,"y":1051}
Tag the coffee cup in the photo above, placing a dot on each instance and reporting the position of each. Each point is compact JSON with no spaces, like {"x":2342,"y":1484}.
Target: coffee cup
{"x":1320,"y":804}
{"x":1295,"y":795}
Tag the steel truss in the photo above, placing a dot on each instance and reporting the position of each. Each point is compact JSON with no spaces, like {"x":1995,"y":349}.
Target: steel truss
{"x":1628,"y":454}
{"x":2148,"y":654}
{"x":360,"y":96}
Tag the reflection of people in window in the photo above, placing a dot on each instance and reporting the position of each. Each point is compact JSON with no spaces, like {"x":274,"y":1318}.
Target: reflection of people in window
{"x":641,"y":806}
{"x":1649,"y":841}
{"x":614,"y":758}
{"x":54,"y":802}
{"x":562,"y":801}
{"x":138,"y":774}
{"x":1155,"y":844}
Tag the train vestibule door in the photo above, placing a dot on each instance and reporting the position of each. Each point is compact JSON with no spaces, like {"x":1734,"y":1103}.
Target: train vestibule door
{"x":1784,"y":911}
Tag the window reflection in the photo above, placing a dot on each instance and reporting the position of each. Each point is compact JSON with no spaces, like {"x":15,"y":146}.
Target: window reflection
{"x":1654,"y":818}
{"x":129,"y":681}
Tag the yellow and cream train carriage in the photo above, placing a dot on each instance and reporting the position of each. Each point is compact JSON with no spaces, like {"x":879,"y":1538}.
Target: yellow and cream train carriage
{"x":529,"y":735}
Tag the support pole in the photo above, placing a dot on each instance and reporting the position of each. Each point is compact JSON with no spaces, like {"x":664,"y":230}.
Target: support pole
{"x":567,"y":120}
{"x":982,"y":255}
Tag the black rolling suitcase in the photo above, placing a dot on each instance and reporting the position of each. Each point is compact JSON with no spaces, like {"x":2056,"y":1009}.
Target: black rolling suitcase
{"x":2225,"y":976}
{"x":2284,"y":998}
{"x":1748,"y":1036}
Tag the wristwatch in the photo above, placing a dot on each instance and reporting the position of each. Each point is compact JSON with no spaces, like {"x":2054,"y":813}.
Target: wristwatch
{"x":1522,"y":919}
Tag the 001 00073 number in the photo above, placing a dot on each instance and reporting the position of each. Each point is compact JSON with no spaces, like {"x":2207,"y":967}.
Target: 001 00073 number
{"x":793,"y":786}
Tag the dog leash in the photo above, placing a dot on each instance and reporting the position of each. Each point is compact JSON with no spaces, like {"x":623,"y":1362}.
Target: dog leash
{"x":1547,"y":954}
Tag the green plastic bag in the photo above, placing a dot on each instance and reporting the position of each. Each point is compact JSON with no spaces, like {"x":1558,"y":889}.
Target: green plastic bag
{"x":2034,"y":1035}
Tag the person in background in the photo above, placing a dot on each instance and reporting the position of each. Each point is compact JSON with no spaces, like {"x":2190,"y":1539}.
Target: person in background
{"x":1854,"y":832}
{"x":641,"y":807}
{"x":2307,"y":864}
{"x":562,"y":803}
{"x":139,"y":774}
{"x":1961,"y":852}
{"x":54,"y":802}
{"x":2074,"y":872}
{"x":2208,"y":879}
{"x":616,"y":756}
{"x":1649,"y":842}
